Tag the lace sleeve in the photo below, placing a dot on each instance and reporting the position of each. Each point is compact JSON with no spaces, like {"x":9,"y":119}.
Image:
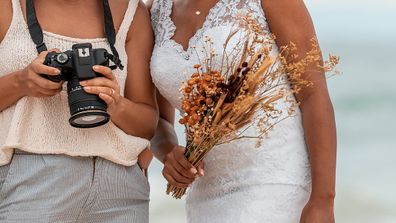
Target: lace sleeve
{"x":160,"y":11}
{"x":155,"y":15}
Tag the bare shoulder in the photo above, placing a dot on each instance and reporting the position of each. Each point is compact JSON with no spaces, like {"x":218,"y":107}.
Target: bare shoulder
{"x":279,"y":5}
{"x":118,"y":9}
{"x":141,"y":23}
{"x":5,"y":17}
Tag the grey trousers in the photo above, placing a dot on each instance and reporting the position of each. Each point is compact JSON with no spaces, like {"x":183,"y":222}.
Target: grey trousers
{"x":57,"y":188}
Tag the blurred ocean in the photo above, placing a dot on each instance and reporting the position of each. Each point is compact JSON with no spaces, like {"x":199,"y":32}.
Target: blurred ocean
{"x":363,"y":33}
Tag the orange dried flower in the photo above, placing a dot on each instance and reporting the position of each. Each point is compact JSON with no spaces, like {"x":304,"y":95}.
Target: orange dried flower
{"x":195,"y":75}
{"x":209,"y":102}
{"x":188,"y":89}
{"x":191,"y":82}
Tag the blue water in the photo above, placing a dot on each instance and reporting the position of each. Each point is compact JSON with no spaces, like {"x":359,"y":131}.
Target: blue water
{"x":363,"y":33}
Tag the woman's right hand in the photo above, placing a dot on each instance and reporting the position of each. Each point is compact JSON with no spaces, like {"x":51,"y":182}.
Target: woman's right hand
{"x":33,"y":84}
{"x":178,"y":171}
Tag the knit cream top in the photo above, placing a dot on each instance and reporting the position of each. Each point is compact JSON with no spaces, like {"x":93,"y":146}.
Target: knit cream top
{"x":40,"y":125}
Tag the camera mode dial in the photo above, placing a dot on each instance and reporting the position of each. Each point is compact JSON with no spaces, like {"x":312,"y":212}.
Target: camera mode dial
{"x":62,"y":58}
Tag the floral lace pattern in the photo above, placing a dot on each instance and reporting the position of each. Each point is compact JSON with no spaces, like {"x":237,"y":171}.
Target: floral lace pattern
{"x":224,"y":12}
{"x":266,"y":184}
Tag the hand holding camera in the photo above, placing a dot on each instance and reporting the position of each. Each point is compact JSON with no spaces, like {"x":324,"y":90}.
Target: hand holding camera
{"x":33,"y":84}
{"x":91,"y":85}
{"x":106,"y":87}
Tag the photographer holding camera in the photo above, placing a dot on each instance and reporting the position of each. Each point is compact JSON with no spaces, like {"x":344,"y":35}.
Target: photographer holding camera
{"x":76,"y":120}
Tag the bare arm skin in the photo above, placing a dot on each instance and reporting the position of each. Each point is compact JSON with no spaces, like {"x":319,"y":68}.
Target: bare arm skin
{"x":25,"y":82}
{"x":289,"y":20}
{"x":139,"y":88}
{"x":177,"y":170}
{"x":136,"y":113}
{"x":5,"y":18}
{"x":165,"y":138}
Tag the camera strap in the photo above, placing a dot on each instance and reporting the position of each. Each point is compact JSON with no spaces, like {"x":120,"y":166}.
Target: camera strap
{"x":34,"y":27}
{"x":37,"y":36}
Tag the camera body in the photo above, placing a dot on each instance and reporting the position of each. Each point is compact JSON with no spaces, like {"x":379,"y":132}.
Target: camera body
{"x":76,"y":62}
{"x":87,"y":110}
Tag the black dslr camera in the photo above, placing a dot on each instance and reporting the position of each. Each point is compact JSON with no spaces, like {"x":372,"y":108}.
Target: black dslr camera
{"x":87,"y":110}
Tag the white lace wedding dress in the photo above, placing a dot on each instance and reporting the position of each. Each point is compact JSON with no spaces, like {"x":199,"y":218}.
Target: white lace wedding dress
{"x":242,"y":183}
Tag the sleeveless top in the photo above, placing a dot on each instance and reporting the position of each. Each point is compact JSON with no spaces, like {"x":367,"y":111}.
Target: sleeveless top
{"x":40,"y":125}
{"x":282,"y":157}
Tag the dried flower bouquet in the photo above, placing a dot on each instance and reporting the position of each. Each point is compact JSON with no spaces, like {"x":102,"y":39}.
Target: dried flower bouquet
{"x":220,"y":102}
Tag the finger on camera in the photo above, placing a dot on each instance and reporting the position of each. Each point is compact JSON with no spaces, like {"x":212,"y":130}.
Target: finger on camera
{"x":98,"y":89}
{"x":47,"y":84}
{"x":106,"y":98}
{"x":173,"y":182}
{"x":106,"y":71}
{"x":56,"y":50}
{"x":41,"y":57}
{"x":99,"y":81}
{"x":40,"y":68}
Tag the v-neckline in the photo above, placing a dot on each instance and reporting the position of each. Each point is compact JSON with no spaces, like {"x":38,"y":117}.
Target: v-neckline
{"x":197,"y":34}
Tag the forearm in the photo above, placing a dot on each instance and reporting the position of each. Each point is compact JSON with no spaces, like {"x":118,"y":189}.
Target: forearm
{"x":320,"y":134}
{"x":135,"y":118}
{"x":164,"y":140}
{"x":10,"y":90}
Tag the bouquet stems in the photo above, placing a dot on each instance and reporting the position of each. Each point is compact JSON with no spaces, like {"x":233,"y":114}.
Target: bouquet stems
{"x":195,"y":155}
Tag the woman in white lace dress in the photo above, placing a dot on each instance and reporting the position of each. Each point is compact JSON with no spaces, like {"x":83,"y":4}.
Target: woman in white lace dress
{"x":241,"y":183}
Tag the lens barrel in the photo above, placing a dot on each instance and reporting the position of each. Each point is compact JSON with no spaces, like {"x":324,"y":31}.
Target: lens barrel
{"x":87,"y":110}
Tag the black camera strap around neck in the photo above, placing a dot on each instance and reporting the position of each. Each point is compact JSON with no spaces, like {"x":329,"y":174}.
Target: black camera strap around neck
{"x":36,"y":32}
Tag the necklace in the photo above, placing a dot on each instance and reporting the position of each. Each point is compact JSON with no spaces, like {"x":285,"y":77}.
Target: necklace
{"x":198,"y":12}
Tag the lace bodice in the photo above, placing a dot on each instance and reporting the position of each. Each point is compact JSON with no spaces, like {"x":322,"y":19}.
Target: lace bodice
{"x":221,"y":16}
{"x":223,"y":13}
{"x":237,"y":166}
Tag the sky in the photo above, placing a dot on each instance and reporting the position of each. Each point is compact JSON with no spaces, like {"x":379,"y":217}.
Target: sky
{"x":355,"y":21}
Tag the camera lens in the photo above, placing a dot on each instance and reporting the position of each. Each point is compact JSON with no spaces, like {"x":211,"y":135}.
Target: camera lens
{"x":87,"y":110}
{"x":62,"y":58}
{"x":89,"y":119}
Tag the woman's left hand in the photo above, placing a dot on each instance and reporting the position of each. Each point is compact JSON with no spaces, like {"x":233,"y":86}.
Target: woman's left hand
{"x":318,"y":211}
{"x":106,"y":87}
